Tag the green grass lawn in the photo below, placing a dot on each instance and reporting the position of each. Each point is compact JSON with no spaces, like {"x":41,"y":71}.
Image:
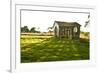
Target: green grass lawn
{"x":44,"y":49}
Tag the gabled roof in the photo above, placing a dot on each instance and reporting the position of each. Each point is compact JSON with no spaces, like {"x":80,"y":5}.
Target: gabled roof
{"x":62,"y":23}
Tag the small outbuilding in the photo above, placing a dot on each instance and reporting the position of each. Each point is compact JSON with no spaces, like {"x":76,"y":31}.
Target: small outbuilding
{"x":69,"y":30}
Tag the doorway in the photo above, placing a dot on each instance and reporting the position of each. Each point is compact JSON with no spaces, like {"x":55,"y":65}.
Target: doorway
{"x":67,"y":33}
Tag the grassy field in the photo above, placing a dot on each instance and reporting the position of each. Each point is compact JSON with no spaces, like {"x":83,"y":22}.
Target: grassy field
{"x":48,"y":48}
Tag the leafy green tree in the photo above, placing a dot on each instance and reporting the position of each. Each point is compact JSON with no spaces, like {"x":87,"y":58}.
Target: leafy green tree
{"x":50,"y":30}
{"x":24,"y":29}
{"x":32,"y":29}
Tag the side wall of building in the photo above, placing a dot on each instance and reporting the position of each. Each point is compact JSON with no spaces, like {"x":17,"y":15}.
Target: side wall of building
{"x":66,"y":31}
{"x":76,"y":35}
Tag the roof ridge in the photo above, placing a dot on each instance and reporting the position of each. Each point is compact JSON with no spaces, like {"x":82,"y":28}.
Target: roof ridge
{"x":65,"y":22}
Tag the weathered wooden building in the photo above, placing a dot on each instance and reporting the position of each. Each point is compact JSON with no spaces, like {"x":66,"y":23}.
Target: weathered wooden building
{"x":69,"y":30}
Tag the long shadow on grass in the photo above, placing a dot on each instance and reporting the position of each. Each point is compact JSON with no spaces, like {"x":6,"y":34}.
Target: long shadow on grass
{"x":55,"y":49}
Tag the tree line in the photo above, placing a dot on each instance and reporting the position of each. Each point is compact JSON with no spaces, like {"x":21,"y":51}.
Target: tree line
{"x":25,"y":29}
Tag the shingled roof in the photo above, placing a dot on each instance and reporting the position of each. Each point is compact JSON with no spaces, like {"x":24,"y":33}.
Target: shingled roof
{"x":62,"y":23}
